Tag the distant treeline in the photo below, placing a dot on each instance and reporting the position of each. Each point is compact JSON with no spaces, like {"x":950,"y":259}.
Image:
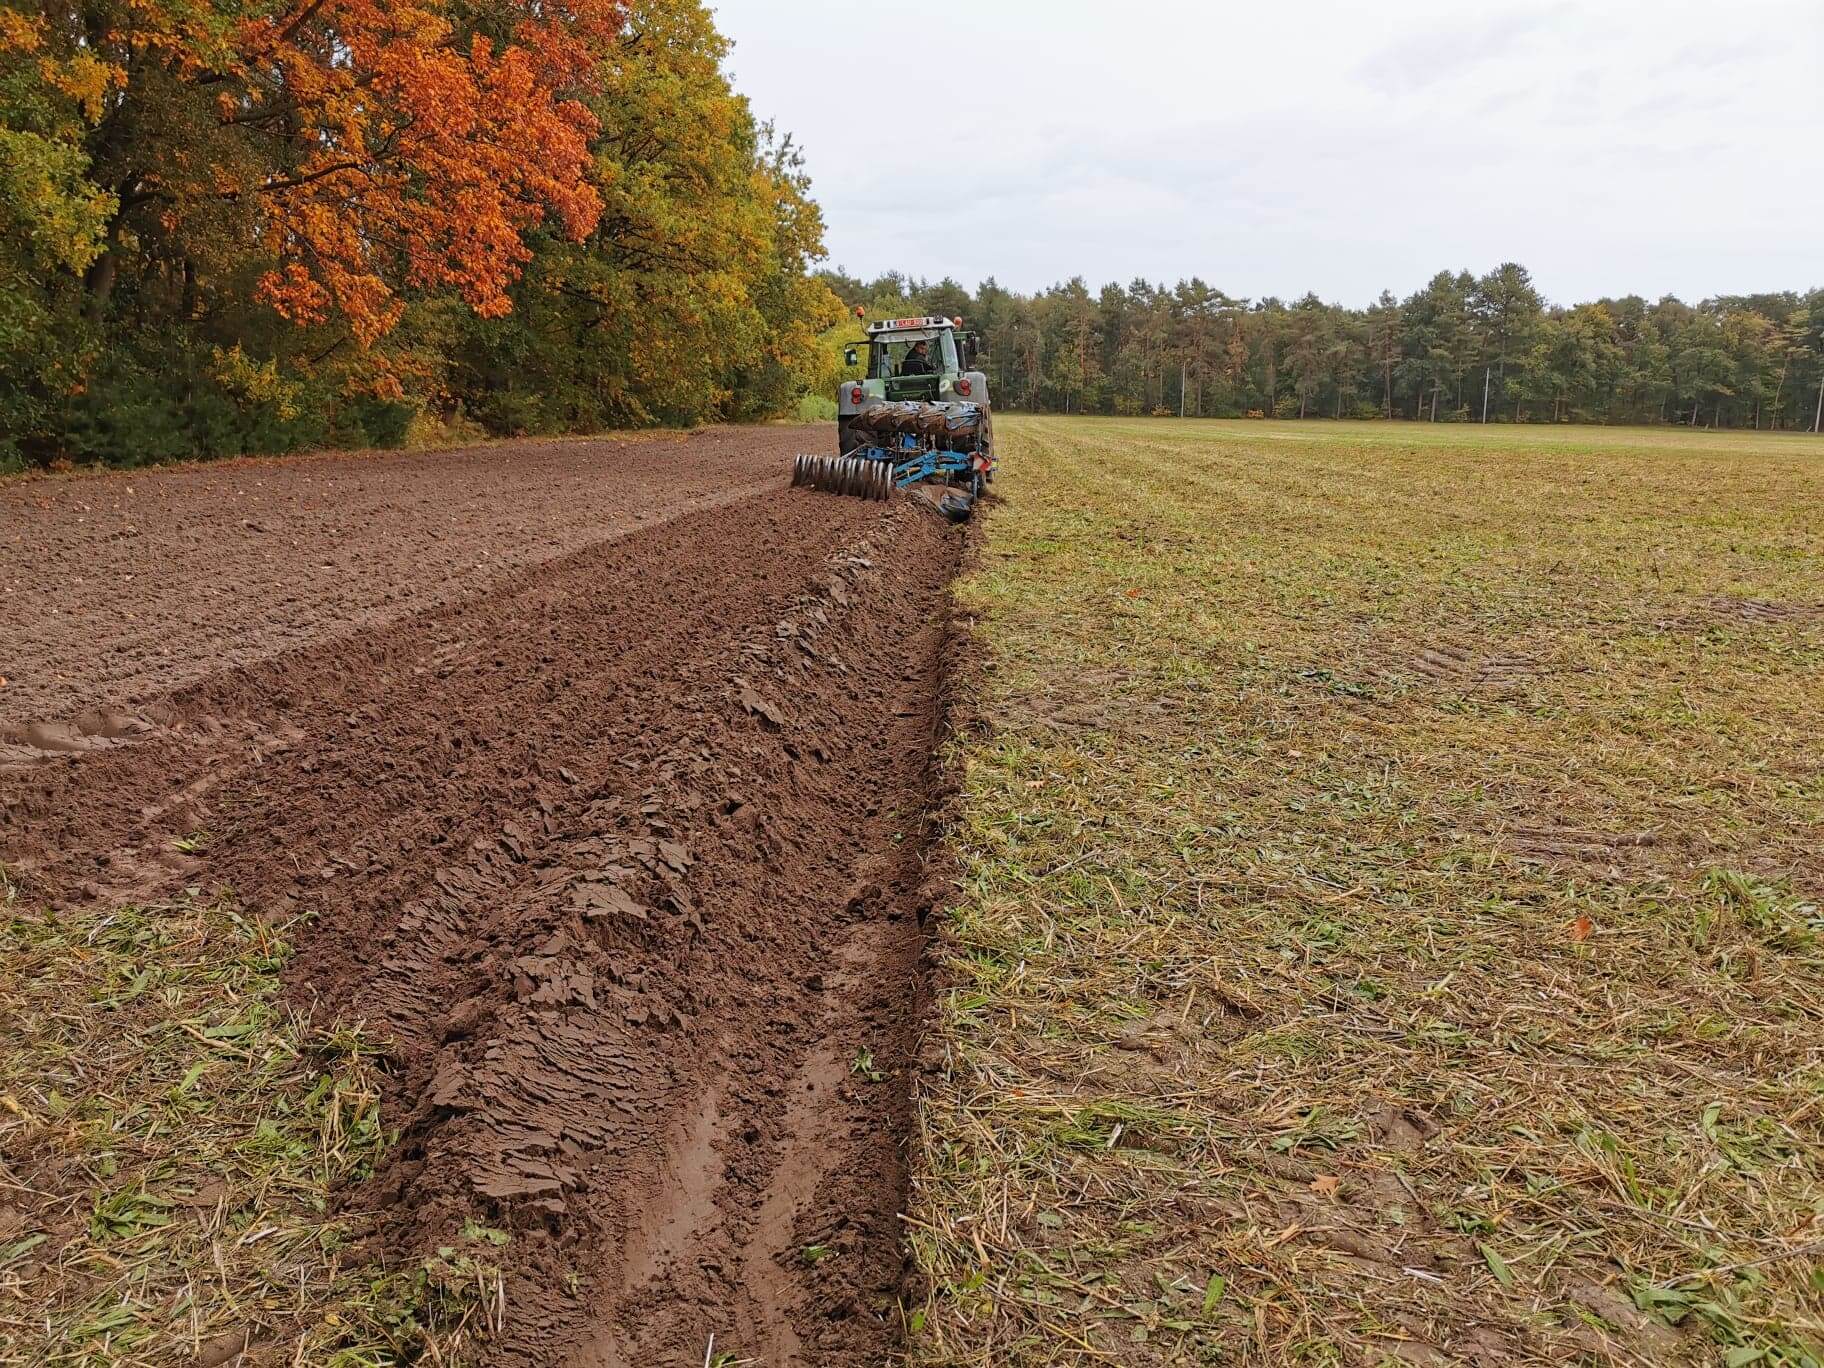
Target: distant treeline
{"x":1463,"y":348}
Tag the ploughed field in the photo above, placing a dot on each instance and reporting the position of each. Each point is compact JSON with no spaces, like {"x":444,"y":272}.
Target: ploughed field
{"x":463,"y":905}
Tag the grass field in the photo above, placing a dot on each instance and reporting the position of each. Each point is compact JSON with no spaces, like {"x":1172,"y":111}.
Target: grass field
{"x":1391,"y":929}
{"x":172,"y":1136}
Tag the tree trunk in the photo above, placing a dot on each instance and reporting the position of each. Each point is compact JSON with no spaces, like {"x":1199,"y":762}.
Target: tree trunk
{"x":1817,"y":423}
{"x":1037,"y":363}
{"x":98,"y":281}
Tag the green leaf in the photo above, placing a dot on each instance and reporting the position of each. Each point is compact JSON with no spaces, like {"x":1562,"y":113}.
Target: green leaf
{"x":21,"y":1248}
{"x":1212,"y":1293}
{"x":1497,"y":1265}
{"x":1742,"y":1355}
{"x":1670,"y":1304}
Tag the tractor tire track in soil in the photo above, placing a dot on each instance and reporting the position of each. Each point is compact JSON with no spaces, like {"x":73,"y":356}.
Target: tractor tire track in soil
{"x":626,"y":856}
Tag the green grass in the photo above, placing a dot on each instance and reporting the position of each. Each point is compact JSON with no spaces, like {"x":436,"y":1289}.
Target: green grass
{"x":1391,"y":924}
{"x":172,"y":1143}
{"x":816,"y":408}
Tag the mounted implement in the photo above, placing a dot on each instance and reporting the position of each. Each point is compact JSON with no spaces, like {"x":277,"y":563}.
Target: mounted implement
{"x":920,"y":418}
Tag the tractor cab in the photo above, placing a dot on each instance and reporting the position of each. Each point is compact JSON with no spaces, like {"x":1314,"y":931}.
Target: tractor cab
{"x":912,"y":361}
{"x":914,"y":358}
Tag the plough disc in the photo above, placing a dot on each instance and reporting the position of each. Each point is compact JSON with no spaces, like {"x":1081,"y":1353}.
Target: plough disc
{"x":857,"y":476}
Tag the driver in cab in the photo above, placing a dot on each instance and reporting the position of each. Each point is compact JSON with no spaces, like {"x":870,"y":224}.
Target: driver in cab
{"x":918,"y":360}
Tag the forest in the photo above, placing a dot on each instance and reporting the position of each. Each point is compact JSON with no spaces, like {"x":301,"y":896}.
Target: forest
{"x":260,"y":225}
{"x":1465,"y":348}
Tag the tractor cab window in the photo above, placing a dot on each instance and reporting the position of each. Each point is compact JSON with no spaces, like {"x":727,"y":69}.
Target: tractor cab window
{"x":899,"y":356}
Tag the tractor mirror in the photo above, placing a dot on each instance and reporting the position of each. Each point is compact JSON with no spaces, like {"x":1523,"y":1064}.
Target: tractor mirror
{"x":849,"y":358}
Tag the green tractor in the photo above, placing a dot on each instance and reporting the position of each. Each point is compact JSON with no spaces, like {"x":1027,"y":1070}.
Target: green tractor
{"x":920,"y":417}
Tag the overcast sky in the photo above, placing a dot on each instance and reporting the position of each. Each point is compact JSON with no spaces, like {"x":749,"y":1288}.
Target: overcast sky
{"x":1612,"y":146}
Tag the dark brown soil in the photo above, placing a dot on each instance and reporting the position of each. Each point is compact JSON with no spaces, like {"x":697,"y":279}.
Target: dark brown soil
{"x":115,"y":589}
{"x":624,"y":851}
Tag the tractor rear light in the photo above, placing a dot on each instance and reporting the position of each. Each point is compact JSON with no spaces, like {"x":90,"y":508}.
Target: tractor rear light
{"x":963,"y":387}
{"x":855,"y":394}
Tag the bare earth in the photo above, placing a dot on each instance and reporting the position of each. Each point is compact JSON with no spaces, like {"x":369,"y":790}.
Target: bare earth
{"x":605,"y":770}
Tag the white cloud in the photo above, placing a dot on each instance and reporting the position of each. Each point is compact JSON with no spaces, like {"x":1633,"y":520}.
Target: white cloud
{"x":1611,"y":145}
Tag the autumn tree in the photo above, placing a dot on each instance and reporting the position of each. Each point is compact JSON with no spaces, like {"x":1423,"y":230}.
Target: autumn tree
{"x":218,"y":172}
{"x":689,"y":299}
{"x":254,"y":224}
{"x":351,"y":149}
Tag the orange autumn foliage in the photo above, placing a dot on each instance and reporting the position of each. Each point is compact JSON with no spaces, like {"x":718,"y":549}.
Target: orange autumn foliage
{"x":364,"y":147}
{"x":428,"y":156}
{"x":258,"y":225}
